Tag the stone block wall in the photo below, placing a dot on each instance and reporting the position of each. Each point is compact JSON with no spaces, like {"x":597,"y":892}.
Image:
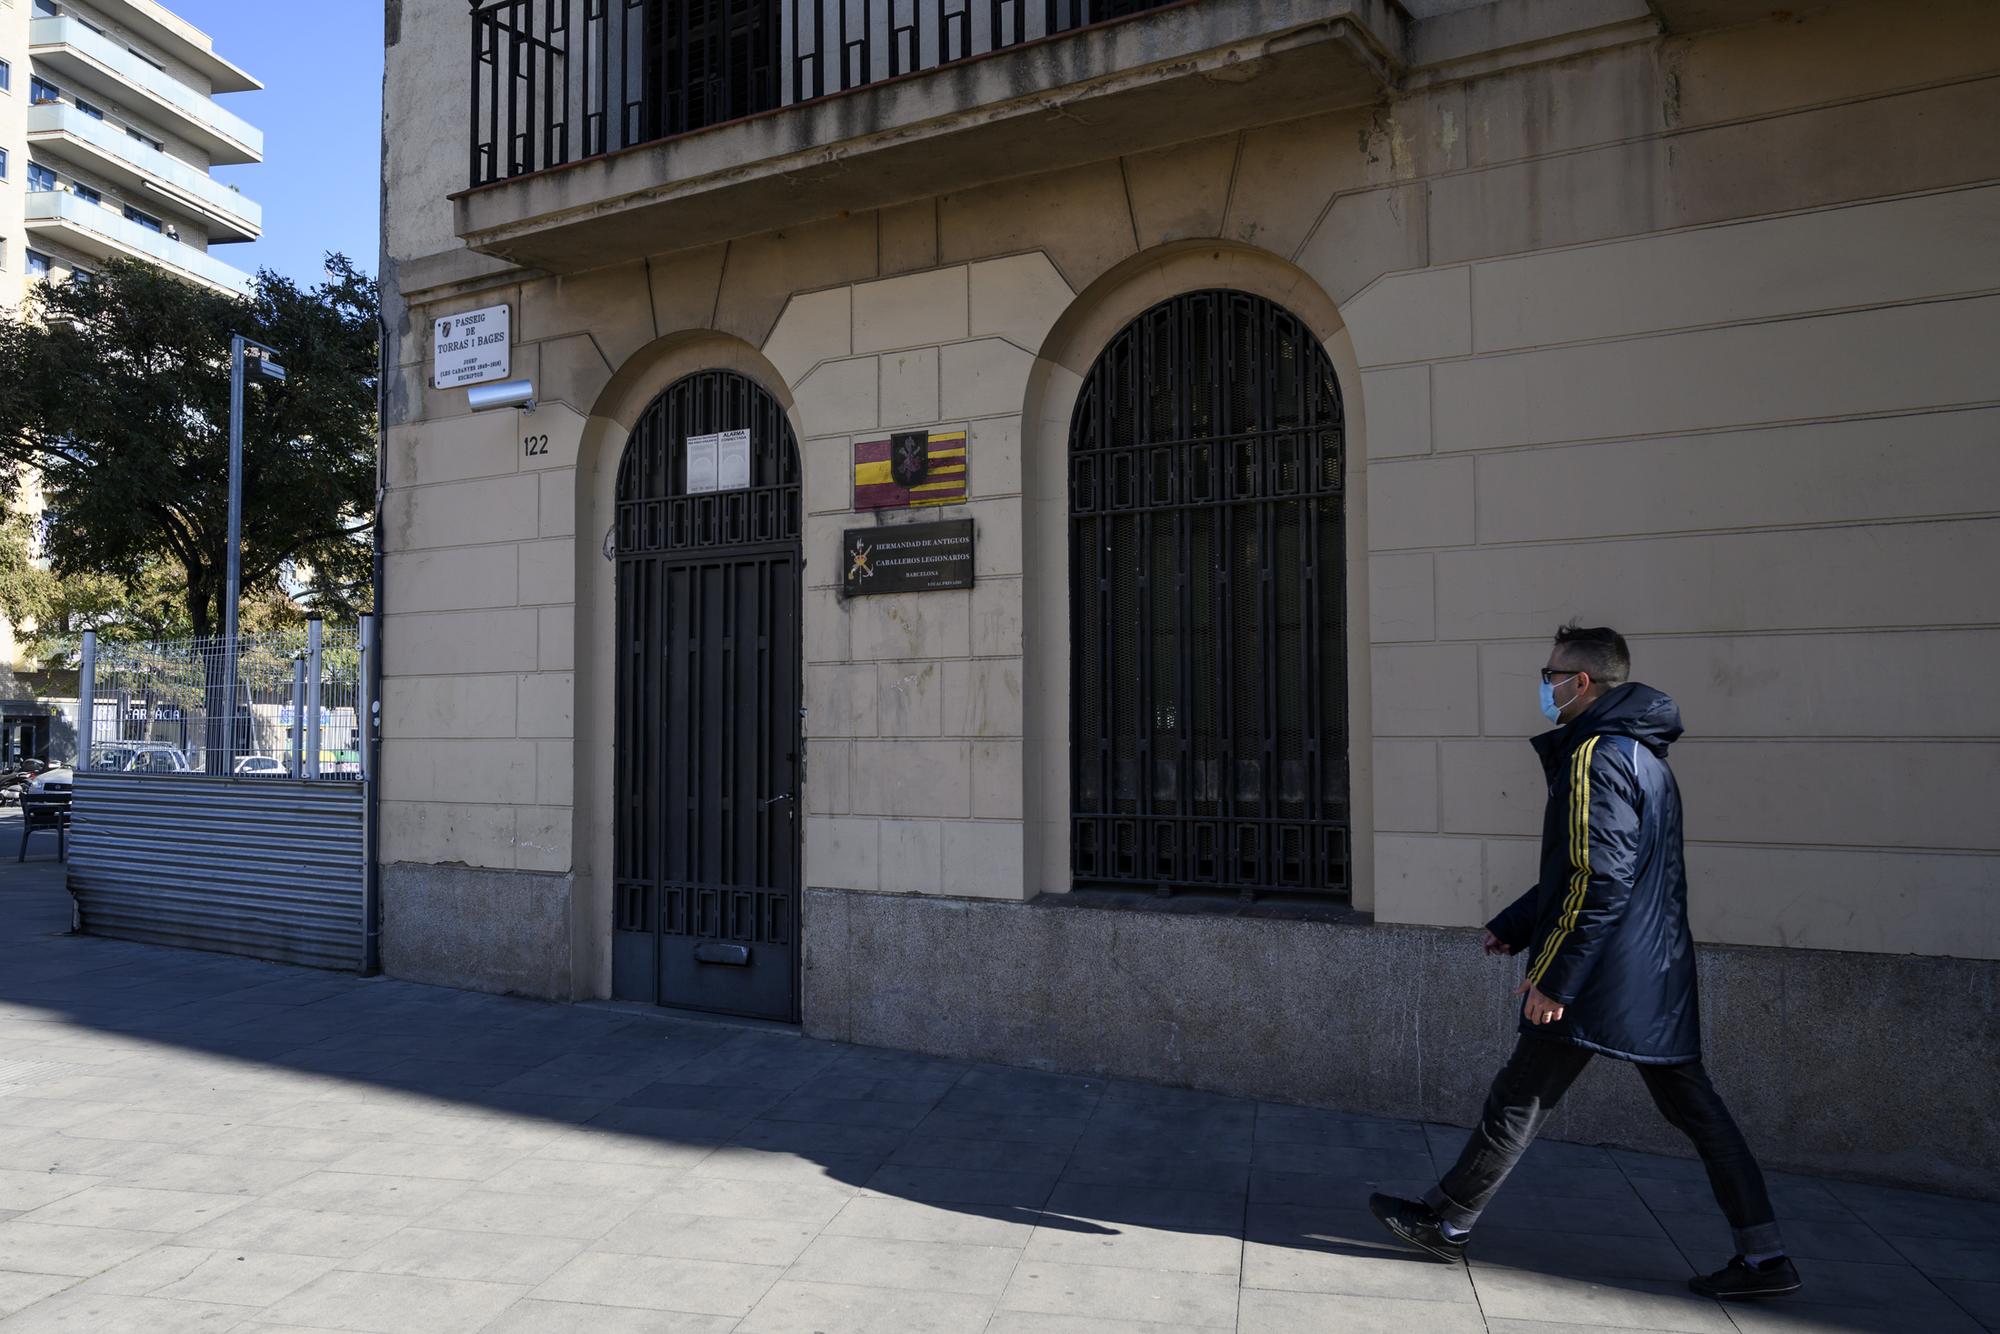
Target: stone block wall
{"x":914,"y":702}
{"x":1691,"y":336}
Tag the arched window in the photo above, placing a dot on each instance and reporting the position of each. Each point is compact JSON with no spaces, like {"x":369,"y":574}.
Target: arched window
{"x":1208,"y":669}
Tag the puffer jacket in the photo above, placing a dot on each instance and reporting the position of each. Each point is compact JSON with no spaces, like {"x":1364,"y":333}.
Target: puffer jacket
{"x":1605,"y":931}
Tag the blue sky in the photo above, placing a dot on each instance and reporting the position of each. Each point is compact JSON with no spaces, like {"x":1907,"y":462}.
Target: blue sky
{"x":321,"y":113}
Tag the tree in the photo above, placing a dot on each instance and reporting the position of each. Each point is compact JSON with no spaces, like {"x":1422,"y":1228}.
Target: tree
{"x":115,"y":389}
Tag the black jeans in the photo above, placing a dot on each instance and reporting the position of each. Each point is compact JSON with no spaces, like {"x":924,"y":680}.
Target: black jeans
{"x":1527,"y":1090}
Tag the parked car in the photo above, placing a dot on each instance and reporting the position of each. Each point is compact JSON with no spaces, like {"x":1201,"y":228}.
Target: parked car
{"x":59,"y":779}
{"x":138,"y":757}
{"x":262,"y":766}
{"x":114,"y":757}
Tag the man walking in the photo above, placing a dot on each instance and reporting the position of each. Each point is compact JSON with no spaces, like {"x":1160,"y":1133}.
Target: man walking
{"x":1610,"y":965}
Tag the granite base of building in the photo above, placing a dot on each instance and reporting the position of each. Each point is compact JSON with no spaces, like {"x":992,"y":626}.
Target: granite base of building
{"x":1871,"y":1067}
{"x":481,"y":930}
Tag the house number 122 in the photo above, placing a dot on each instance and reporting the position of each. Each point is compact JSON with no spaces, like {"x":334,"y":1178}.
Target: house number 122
{"x":535,"y":444}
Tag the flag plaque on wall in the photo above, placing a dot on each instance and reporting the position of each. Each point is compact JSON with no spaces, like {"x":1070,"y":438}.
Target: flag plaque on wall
{"x":906,"y":558}
{"x":909,"y":469}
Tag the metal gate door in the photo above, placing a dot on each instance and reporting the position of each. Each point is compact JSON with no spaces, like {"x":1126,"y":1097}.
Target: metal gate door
{"x":707,"y":823}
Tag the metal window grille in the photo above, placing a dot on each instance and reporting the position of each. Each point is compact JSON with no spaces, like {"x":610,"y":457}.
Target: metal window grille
{"x":170,"y":707}
{"x":553,"y":81}
{"x":1207,"y":586}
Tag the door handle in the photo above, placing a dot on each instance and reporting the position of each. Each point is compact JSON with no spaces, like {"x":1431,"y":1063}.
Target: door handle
{"x":769,"y":802}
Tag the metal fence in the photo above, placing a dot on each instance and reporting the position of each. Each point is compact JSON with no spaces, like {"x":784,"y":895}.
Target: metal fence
{"x":554,"y":81}
{"x":282,"y":704}
{"x":272,"y":869}
{"x":220,"y":800}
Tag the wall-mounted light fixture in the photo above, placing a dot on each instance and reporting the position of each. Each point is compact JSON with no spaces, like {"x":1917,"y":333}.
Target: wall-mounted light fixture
{"x":504,"y":394}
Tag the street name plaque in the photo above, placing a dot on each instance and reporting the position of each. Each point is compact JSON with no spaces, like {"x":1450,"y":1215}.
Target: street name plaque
{"x":471,"y":348}
{"x":906,"y":558}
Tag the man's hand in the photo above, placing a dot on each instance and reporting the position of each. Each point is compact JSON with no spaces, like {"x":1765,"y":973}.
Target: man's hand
{"x":1538,"y":1009}
{"x":1495,"y":945}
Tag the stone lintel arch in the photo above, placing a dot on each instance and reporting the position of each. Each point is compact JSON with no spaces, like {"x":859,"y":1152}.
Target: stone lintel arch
{"x":1072,"y":346}
{"x":643,"y":377}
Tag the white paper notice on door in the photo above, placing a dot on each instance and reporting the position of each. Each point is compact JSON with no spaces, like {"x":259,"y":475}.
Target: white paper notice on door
{"x":701,"y":463}
{"x":733,"y":460}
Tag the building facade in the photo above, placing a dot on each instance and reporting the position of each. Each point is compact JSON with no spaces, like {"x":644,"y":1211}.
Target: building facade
{"x":1298,"y":366}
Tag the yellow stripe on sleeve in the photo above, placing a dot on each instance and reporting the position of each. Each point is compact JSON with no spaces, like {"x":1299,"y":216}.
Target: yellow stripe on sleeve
{"x":1579,"y":859}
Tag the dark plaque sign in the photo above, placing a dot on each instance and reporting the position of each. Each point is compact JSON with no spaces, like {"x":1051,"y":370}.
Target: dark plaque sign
{"x":906,"y":558}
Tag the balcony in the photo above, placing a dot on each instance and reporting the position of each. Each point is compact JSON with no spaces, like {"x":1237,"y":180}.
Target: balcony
{"x":595,"y":136}
{"x":141,"y":169}
{"x":172,"y":35}
{"x":97,"y":230}
{"x":89,"y":60}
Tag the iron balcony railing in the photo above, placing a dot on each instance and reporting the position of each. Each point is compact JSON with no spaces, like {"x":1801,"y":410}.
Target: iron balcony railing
{"x":556,"y":81}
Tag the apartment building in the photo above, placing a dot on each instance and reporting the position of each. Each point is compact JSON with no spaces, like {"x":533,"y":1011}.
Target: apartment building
{"x":109,"y":126}
{"x":1039,"y":523}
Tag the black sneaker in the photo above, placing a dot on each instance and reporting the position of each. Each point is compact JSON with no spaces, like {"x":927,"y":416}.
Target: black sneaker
{"x":1416,"y":1223}
{"x":1739,"y":1280}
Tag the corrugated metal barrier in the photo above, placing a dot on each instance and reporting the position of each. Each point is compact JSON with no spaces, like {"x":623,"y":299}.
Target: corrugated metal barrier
{"x":268,"y":867}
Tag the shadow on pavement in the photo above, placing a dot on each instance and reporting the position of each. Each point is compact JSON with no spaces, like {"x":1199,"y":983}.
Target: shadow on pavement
{"x":348,"y":1110}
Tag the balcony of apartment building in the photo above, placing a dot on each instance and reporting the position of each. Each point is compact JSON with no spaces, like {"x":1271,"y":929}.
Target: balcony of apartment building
{"x":598,"y":130}
{"x":74,"y":217}
{"x":70,"y":46}
{"x":136,"y":163}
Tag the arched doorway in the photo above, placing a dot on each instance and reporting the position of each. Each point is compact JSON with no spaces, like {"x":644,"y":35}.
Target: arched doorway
{"x":1208,"y":675}
{"x":707,"y":771}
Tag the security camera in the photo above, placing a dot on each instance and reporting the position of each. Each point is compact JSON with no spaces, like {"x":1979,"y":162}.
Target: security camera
{"x":506,"y":394}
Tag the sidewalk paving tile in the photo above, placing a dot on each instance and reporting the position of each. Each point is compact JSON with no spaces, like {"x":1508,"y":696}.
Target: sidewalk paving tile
{"x":926,"y":1266}
{"x":245,"y":1278}
{"x":1793,"y":1316}
{"x":1267,"y":1312}
{"x":1370,"y":1270}
{"x":490,"y":1257}
{"x":1515,"y":1294}
{"x":1134,"y":1246}
{"x":295,"y":1231}
{"x":1101,"y":1290}
{"x":796,"y":1307}
{"x":533,"y":1315}
{"x":1036,"y":1322}
{"x":530,"y":1215}
{"x":22,"y":1290}
{"x":1980,"y":1300}
{"x":49,"y":1249}
{"x":691,"y":1237}
{"x":916,"y":1220}
{"x":78,"y":1312}
{"x":660,"y":1283}
{"x":395,"y":1304}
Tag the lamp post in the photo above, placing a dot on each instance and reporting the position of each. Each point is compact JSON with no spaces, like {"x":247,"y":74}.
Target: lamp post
{"x":267,"y":369}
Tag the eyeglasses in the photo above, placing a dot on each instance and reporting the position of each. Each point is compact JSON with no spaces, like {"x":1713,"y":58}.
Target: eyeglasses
{"x":1551,"y":675}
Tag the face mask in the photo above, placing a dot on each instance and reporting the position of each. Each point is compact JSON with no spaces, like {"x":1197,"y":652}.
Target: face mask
{"x":1548,"y":699}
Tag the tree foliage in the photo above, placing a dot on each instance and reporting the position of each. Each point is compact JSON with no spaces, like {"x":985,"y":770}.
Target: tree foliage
{"x":115,"y":390}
